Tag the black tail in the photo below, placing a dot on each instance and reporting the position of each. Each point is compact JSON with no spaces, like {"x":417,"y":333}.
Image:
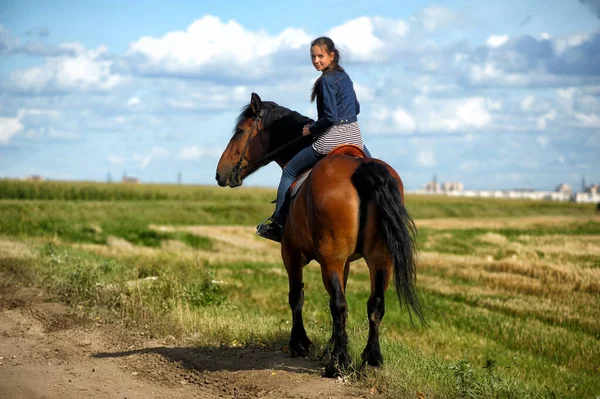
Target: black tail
{"x":374,"y":182}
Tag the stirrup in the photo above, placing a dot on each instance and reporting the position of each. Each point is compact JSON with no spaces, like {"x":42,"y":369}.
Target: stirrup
{"x":264,"y":221}
{"x":271,"y":231}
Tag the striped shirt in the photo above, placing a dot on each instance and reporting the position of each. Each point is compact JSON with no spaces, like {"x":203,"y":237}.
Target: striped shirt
{"x":348,"y":133}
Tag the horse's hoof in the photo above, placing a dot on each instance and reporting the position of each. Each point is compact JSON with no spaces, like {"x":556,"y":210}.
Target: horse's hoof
{"x":338,"y":366}
{"x":298,"y":349}
{"x":372,"y":359}
{"x":331,"y":371}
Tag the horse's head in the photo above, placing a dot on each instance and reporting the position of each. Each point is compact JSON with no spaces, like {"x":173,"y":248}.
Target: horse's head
{"x":246,"y":149}
{"x":264,"y":132}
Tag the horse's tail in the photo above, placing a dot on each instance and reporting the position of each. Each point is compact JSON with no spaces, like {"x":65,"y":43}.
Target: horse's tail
{"x":374,"y":182}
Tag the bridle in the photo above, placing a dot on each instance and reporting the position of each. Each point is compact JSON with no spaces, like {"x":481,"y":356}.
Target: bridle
{"x":238,"y":168}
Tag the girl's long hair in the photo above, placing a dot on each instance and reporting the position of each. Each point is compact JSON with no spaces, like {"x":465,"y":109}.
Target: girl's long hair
{"x":327,"y":46}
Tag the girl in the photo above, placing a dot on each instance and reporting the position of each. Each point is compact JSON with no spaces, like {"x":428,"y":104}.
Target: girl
{"x":337,"y":124}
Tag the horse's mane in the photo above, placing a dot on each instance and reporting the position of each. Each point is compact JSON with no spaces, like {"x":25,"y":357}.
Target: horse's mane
{"x":274,"y":117}
{"x":283,"y":125}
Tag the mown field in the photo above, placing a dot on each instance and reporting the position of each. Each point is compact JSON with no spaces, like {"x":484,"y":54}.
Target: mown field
{"x":512,"y":288}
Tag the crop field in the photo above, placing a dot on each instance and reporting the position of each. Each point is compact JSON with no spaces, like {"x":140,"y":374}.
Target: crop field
{"x":511,"y":288}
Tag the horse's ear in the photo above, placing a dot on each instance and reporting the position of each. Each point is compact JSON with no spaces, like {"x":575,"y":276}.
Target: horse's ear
{"x":255,"y":103}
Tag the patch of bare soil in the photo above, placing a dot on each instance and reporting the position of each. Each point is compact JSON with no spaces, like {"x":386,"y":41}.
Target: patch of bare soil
{"x":47,"y":352}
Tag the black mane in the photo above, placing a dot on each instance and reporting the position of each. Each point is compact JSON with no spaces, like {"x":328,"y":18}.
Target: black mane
{"x":282,"y":124}
{"x":275,"y":117}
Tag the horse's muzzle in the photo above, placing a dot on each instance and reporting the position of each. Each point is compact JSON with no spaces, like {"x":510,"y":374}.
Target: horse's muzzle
{"x":221,"y":183}
{"x":231,"y":179}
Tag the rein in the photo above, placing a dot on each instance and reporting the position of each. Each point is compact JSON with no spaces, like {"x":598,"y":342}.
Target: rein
{"x":239,"y":168}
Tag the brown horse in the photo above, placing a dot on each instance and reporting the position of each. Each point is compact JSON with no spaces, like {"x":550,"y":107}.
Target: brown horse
{"x":348,"y":208}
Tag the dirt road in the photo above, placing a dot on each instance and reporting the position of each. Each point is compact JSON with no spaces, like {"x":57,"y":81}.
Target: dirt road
{"x":46,"y":352}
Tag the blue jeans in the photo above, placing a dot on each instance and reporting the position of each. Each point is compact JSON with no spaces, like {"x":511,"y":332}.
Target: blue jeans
{"x":305,"y":159}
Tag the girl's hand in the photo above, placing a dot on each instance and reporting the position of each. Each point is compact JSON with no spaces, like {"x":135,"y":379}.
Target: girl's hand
{"x":306,"y":130}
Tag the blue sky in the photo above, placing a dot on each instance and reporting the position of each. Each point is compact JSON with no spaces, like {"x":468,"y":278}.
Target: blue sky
{"x":497,"y":96}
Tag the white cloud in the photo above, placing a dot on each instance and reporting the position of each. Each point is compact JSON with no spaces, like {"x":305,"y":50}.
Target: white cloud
{"x":496,"y":41}
{"x":8,"y":128}
{"x":527,"y":103}
{"x":426,"y":158}
{"x":115,"y":160}
{"x":211,"y":47}
{"x":358,"y":40}
{"x":364,"y":93}
{"x":588,"y":120}
{"x":403,"y":120}
{"x":543,"y":140}
{"x":133,"y":101}
{"x":433,"y":18}
{"x":452,"y":115}
{"x":34,"y":123}
{"x":542,"y":121}
{"x":61,"y":134}
{"x":439,"y":115}
{"x":194,"y":153}
{"x":209,"y":97}
{"x":38,"y":117}
{"x":473,"y":112}
{"x":488,"y":73}
{"x":155,"y":153}
{"x":470,"y":165}
{"x":87,"y":70}
{"x":565,"y":43}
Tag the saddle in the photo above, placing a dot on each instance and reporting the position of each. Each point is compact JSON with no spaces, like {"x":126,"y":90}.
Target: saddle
{"x":346,"y":149}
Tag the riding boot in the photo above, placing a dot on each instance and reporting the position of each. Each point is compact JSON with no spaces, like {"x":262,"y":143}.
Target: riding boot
{"x":272,"y":231}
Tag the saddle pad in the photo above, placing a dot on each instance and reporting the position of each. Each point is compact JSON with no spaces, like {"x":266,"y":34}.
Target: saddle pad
{"x":347,"y":149}
{"x":298,"y":183}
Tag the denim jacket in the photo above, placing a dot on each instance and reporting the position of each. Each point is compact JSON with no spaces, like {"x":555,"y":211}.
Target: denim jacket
{"x":336,"y":102}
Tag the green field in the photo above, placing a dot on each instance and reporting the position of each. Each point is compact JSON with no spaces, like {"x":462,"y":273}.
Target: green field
{"x":512,"y":288}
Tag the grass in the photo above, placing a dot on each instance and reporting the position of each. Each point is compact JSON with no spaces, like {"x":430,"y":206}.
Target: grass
{"x":513,"y":307}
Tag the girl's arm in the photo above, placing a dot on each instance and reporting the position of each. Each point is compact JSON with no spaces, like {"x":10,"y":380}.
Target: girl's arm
{"x":329,"y":117}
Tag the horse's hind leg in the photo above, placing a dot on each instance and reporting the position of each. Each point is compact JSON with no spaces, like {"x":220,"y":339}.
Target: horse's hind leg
{"x":333,"y":279}
{"x":299,"y":342}
{"x":329,"y":346}
{"x":380,"y":271}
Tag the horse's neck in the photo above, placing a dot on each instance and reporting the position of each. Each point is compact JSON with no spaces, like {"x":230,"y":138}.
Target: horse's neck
{"x":291,"y":133}
{"x":287,"y":155}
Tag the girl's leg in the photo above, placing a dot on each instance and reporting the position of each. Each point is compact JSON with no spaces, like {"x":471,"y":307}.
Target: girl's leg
{"x":302,"y":161}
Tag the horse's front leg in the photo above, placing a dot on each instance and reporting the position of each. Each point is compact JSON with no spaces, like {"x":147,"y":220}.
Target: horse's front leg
{"x":333,"y":279}
{"x":299,"y":342}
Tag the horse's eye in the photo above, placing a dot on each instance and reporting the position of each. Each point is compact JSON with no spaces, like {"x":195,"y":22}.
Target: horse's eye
{"x":238,"y":130}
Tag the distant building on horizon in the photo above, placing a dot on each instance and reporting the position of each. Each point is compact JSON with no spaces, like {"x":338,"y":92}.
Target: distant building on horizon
{"x":433,"y":187}
{"x":563,"y":192}
{"x":33,"y":178}
{"x":130,"y":180}
{"x":593,"y":189}
{"x":455,"y":186}
{"x":564,"y":188}
{"x":446,"y":187}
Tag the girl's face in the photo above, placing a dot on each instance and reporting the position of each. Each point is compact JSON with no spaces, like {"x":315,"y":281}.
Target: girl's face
{"x":320,"y":58}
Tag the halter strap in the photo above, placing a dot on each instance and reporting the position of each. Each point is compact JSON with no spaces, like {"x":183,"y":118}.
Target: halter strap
{"x":238,"y":167}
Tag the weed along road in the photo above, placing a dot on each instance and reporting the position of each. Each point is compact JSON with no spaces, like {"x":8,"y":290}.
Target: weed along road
{"x":165,"y":291}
